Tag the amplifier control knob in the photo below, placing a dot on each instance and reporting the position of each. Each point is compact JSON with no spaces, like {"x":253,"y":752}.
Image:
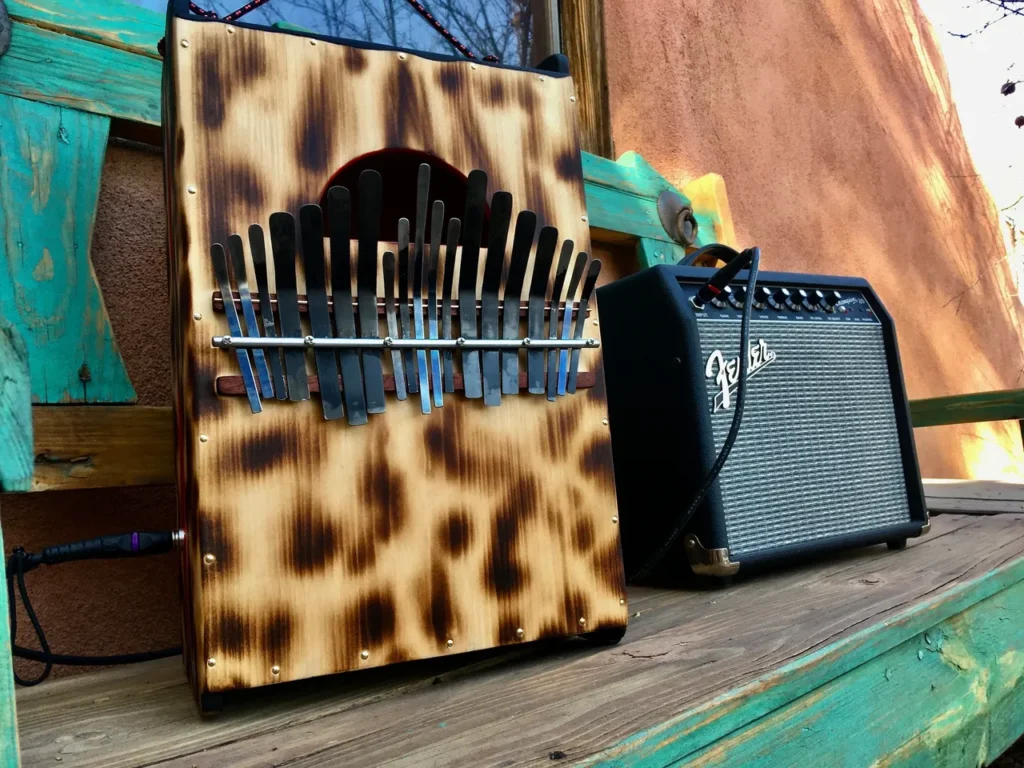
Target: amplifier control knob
{"x":780,"y":298}
{"x":735,"y":296}
{"x":830,"y":300}
{"x":815,"y":300}
{"x":761,"y":296}
{"x":797,"y":298}
{"x":719,"y":299}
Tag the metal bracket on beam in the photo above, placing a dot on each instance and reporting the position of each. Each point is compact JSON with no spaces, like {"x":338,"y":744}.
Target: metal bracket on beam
{"x":677,"y":218}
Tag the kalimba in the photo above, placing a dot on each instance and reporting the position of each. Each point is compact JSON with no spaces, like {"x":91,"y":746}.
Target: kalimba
{"x":392,"y":435}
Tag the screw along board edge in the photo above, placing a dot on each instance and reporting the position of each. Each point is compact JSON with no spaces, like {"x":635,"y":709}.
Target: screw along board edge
{"x":393,"y":538}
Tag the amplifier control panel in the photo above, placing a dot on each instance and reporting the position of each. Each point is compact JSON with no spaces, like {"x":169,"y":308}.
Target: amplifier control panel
{"x":796,"y":303}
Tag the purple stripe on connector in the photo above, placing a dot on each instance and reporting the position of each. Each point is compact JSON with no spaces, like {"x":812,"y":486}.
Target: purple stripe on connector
{"x":135,"y":542}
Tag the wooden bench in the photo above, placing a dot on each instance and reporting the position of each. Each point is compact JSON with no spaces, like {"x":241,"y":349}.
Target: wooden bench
{"x":909,"y":658}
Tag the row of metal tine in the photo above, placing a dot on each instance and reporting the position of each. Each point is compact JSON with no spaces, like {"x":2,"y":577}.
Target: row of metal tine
{"x":409,"y":338}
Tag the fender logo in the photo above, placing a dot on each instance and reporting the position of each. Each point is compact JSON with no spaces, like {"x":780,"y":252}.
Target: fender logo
{"x":727,"y":373}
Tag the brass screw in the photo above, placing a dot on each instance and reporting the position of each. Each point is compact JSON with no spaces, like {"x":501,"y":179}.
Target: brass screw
{"x":191,"y":189}
{"x":203,"y":438}
{"x":312,"y":42}
{"x":450,"y":642}
{"x":197,"y":315}
{"x":615,"y":518}
{"x":605,"y":422}
{"x":572,"y":99}
{"x":401,"y":57}
{"x":519,"y":632}
{"x":541,"y":78}
{"x":364,"y":655}
{"x":231,"y":30}
{"x":622,"y":601}
{"x":209,"y":559}
{"x":275,"y":670}
{"x":596,"y":323}
{"x":184,"y":43}
{"x":211,"y":662}
{"x":582,"y":621}
{"x":472,"y":66}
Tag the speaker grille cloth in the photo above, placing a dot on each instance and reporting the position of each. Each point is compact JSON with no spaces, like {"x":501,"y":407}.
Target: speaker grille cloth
{"x":818,"y":453}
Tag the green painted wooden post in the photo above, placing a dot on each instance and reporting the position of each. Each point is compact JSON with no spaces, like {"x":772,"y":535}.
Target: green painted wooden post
{"x":16,"y":444}
{"x":1000,"y":405}
{"x":50,"y":170}
{"x":8,"y":713}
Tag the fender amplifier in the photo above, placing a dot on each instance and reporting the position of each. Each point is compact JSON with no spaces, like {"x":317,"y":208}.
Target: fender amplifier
{"x":824,"y":456}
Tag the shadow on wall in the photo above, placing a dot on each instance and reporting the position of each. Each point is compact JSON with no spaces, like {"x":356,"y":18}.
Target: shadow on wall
{"x":833,"y":126}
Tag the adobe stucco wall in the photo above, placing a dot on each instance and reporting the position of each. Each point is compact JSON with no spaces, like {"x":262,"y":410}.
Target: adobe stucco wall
{"x":832,"y":124}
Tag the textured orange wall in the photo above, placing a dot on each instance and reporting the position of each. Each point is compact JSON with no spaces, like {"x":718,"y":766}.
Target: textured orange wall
{"x":842,"y":153}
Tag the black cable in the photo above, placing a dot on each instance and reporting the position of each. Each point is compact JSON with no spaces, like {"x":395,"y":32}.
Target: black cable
{"x":21,"y":562}
{"x":754,"y":255}
{"x":720,"y":251}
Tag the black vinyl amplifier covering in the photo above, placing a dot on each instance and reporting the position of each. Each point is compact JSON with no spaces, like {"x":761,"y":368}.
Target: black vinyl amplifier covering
{"x":825,"y":455}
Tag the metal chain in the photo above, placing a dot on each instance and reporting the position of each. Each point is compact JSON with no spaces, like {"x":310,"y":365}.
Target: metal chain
{"x":417,"y":6}
{"x":443,"y":31}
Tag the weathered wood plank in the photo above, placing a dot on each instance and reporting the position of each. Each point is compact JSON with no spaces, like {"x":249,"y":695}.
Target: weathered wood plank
{"x":53,"y":68}
{"x":974,"y":496}
{"x":102,"y":446}
{"x":15,"y":412}
{"x":929,"y":701}
{"x":49,"y":182}
{"x":968,"y":409}
{"x":694,"y":667}
{"x":117,"y":23}
{"x":583,"y":38}
{"x":9,"y":753}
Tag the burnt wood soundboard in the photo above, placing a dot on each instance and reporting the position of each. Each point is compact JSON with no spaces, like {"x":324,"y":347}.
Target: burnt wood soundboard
{"x":317,"y":545}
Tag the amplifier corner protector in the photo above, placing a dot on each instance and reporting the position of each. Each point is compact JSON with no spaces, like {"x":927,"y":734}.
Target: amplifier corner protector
{"x":926,"y":528}
{"x":709,"y":562}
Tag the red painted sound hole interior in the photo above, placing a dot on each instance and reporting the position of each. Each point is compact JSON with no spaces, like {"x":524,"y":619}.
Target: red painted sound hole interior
{"x":399,"y":169}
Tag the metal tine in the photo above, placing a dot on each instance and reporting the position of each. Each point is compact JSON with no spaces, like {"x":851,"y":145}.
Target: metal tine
{"x":311,"y":228}
{"x":473,"y":227}
{"x":392,"y":318}
{"x":220,"y":270}
{"x":522,"y":244}
{"x":494,"y":266}
{"x":436,"y":232}
{"x":570,"y":297}
{"x":404,"y":313}
{"x":366,"y":281}
{"x":418,"y":267}
{"x":451,"y":251}
{"x":556,"y":298}
{"x":258,"y":249}
{"x":581,"y":318}
{"x":236,"y":253}
{"x":546,"y":243}
{"x":339,"y":214}
{"x":282,"y":241}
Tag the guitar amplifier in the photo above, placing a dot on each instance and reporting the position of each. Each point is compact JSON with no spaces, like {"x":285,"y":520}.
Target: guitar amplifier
{"x":824,"y":456}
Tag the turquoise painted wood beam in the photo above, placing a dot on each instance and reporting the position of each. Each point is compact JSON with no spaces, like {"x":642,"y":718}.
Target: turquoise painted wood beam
{"x":50,"y":170}
{"x":9,"y":752}
{"x":117,"y":23}
{"x":945,"y":698}
{"x":812,"y":676}
{"x":55,"y":68}
{"x":17,"y":456}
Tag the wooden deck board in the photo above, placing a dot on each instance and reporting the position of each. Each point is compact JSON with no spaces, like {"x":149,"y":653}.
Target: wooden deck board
{"x":691,"y":664}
